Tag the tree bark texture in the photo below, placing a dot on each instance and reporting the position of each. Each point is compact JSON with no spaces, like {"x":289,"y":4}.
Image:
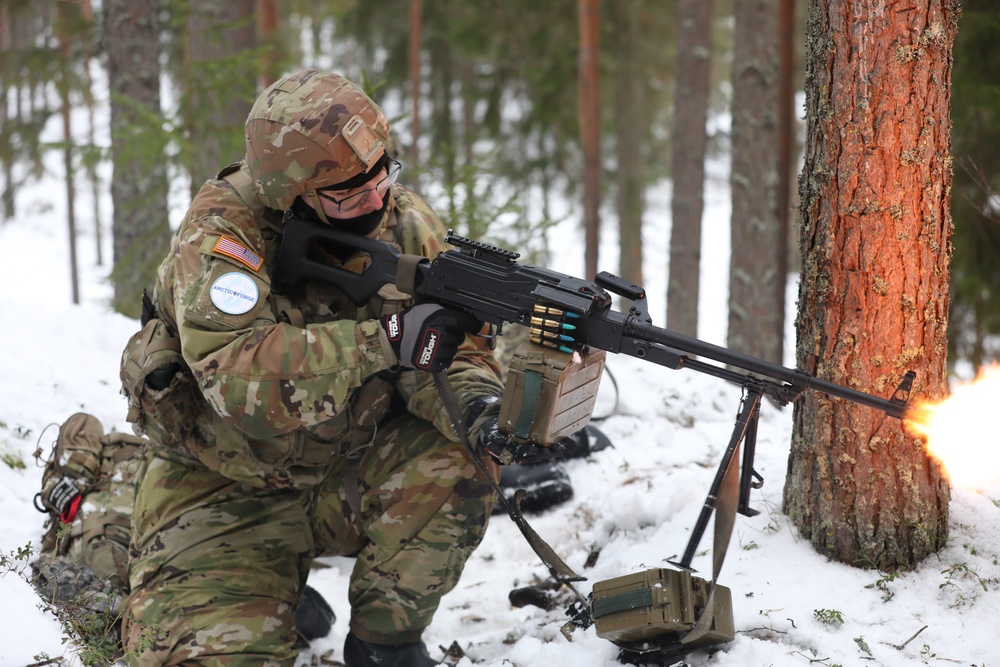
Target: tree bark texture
{"x":629,"y":130}
{"x":220,"y":83}
{"x":757,"y":263}
{"x":787,"y":85}
{"x":873,"y":297}
{"x":414,"y":63}
{"x":139,"y":182}
{"x":268,"y":25}
{"x":590,"y":120}
{"x":694,"y":60}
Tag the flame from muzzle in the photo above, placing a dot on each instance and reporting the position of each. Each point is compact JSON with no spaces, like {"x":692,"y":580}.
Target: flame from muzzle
{"x":959,"y":431}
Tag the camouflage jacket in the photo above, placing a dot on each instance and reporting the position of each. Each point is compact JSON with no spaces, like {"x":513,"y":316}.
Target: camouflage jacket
{"x":289,"y":379}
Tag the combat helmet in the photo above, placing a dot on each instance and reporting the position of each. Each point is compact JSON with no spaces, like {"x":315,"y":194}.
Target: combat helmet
{"x":311,"y":130}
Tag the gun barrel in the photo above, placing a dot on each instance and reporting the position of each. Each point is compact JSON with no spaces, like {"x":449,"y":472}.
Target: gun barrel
{"x":797,"y":379}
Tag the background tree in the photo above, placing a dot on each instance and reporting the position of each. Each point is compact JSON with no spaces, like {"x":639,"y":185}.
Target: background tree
{"x":219,"y":83}
{"x":757,"y":266}
{"x":975,"y":283}
{"x":70,"y":25}
{"x":694,"y":62}
{"x":589,"y":107}
{"x":789,"y":81}
{"x":139,"y":182}
{"x":629,"y":119}
{"x":873,"y":296}
{"x":269,"y":37}
{"x":415,"y":35}
{"x":29,"y":62}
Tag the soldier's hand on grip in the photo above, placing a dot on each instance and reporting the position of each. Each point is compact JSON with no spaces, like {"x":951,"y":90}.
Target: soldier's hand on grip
{"x":482,"y":421}
{"x":504,"y":449}
{"x":426,"y":336}
{"x":493,"y":441}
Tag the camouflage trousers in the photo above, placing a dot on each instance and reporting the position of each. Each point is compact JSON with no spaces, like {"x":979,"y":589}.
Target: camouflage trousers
{"x":217,"y":567}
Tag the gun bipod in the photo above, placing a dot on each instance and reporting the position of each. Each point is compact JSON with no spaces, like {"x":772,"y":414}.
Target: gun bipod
{"x":744,"y":431}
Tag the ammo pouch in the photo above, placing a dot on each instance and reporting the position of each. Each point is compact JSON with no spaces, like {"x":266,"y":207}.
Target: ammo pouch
{"x":159,"y":386}
{"x":300,"y":458}
{"x":549,"y":395}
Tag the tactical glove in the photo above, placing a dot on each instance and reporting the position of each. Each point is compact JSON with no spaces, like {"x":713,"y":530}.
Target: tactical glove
{"x":495,"y":443}
{"x":426,"y":336}
{"x":481,"y":425}
{"x":504,"y":449}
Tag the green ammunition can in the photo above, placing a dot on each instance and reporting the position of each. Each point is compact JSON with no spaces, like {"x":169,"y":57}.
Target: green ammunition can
{"x":659,"y":605}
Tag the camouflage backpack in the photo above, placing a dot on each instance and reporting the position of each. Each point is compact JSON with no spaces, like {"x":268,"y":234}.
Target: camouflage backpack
{"x":88,"y":488}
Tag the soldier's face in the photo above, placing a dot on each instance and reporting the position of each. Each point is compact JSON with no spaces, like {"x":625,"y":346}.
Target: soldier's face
{"x":372,"y":202}
{"x":362,"y":200}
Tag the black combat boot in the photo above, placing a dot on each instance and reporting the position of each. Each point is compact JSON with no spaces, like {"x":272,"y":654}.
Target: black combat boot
{"x":313,"y":617}
{"x":545,"y":481}
{"x":359,"y":653}
{"x":584,"y":442}
{"x":546,"y":485}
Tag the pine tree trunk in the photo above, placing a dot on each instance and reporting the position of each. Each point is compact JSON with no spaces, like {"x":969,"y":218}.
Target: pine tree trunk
{"x":786,"y":134}
{"x":139,"y":182}
{"x":269,"y":37}
{"x":7,"y":70}
{"x":588,"y":12}
{"x":414,"y":51}
{"x":694,"y":61}
{"x":756,"y":266}
{"x":873,"y":297}
{"x":65,"y":65}
{"x":629,"y":105}
{"x":221,"y":83}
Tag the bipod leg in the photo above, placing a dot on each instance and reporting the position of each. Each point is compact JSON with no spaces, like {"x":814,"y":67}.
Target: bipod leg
{"x":746,"y":419}
{"x":749,"y":479}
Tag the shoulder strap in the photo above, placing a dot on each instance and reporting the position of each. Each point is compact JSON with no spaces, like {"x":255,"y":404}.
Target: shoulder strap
{"x":238,"y":175}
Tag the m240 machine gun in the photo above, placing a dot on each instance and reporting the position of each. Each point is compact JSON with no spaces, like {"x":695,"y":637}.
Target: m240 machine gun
{"x":551,"y":391}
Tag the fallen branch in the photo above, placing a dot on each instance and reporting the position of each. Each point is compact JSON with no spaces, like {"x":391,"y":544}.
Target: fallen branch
{"x":900,"y":647}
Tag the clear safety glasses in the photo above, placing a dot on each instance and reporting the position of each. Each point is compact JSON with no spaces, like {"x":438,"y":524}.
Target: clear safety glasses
{"x":353,"y":201}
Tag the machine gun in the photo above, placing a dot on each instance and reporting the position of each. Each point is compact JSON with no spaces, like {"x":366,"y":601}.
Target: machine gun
{"x":568,"y":315}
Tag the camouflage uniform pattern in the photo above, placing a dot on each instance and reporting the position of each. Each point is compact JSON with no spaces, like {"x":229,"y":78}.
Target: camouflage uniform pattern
{"x":228,"y":596}
{"x":92,"y":538}
{"x":300,"y":408}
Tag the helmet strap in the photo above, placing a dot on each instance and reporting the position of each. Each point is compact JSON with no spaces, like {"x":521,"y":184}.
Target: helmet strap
{"x":317,"y":207}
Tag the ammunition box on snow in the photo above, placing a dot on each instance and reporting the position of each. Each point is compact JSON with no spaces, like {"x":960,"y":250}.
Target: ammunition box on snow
{"x":659,"y":604}
{"x":549,"y":394}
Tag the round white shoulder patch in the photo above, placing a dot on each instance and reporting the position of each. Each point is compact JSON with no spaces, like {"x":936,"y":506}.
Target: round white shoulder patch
{"x":234,"y":293}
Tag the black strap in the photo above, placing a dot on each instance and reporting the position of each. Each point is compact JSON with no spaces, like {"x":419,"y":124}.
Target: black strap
{"x":148,"y":311}
{"x":559,"y":570}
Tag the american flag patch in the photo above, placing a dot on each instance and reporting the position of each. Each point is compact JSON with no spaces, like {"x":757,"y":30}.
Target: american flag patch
{"x":231,"y":248}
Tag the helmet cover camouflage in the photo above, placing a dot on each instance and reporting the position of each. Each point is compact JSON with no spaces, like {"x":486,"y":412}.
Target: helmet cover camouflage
{"x":312,"y":130}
